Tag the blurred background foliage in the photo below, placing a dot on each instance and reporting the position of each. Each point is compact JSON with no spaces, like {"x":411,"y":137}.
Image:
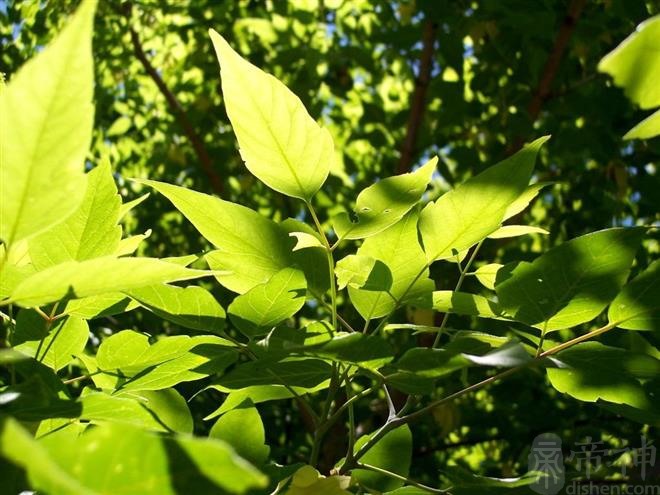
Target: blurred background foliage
{"x":395,"y":82}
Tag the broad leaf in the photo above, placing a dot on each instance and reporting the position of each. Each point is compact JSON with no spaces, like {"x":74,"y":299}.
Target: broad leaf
{"x":393,"y":453}
{"x":149,"y":463}
{"x":261,"y":308}
{"x":624,"y":64}
{"x":306,"y":373}
{"x":571,"y":283}
{"x":127,"y":361}
{"x":56,"y":345}
{"x":90,"y":232}
{"x":279,"y":142}
{"x":384,"y":203}
{"x":637,"y":306}
{"x":475,"y":209}
{"x":591,"y":371}
{"x":191,"y":307}
{"x":487,"y":274}
{"x":308,"y":480}
{"x":243,"y":429}
{"x":369,"y":351}
{"x":47,"y":118}
{"x":399,"y":250}
{"x":646,"y":129}
{"x":251,"y":248}
{"x":463,"y":303}
{"x":78,"y":279}
{"x":363,"y":272}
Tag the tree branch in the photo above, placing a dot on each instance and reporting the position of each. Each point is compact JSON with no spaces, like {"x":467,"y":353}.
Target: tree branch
{"x":544,"y":88}
{"x":175,"y":105}
{"x":418,"y":99}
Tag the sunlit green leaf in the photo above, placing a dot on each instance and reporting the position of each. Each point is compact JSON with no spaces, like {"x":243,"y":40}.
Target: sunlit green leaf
{"x":384,"y":203}
{"x":279,"y":142}
{"x":475,"y":209}
{"x":571,"y":283}
{"x":243,"y":429}
{"x":392,"y":453}
{"x":261,"y":308}
{"x":251,"y":248}
{"x":637,"y":306}
{"x":47,"y":117}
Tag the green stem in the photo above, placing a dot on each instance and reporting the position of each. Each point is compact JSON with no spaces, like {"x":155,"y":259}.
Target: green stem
{"x":399,"y":420}
{"x":459,"y":284}
{"x":331,"y":263}
{"x":396,"y":476}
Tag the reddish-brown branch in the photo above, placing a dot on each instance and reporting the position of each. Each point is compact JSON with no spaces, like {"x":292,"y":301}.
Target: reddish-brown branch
{"x":543,"y":89}
{"x":175,"y":105}
{"x":418,"y":99}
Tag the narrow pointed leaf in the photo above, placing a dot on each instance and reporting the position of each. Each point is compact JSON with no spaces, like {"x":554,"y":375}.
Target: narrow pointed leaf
{"x":475,"y":209}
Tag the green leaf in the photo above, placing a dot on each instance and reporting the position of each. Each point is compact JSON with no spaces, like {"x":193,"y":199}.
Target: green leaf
{"x":363,"y":272}
{"x":384,"y":203}
{"x":397,"y":248}
{"x":130,"y":244}
{"x":47,"y":118}
{"x":312,"y":260}
{"x":126,"y":361}
{"x":306,"y":373}
{"x":90,"y":232}
{"x":54,"y":346}
{"x":243,"y":429}
{"x":475,"y":209}
{"x":369,"y":351}
{"x":571,"y":283}
{"x":307,"y":481}
{"x":279,"y":142}
{"x":149,"y":463}
{"x":159,"y":410}
{"x":129,"y":205}
{"x":624,"y":63}
{"x":516,"y":231}
{"x":261,"y":308}
{"x":637,"y":306}
{"x":591,"y":371}
{"x":109,"y":304}
{"x":97,"y":276}
{"x":487,"y":274}
{"x":393,"y":453}
{"x":646,"y":129}
{"x":463,"y":303}
{"x":522,"y":201}
{"x":18,"y":446}
{"x":251,"y":248}
{"x":191,"y":307}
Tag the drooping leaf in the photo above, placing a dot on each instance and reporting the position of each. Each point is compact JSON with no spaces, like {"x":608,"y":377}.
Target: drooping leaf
{"x":384,"y":203}
{"x":475,"y":209}
{"x":251,"y":248}
{"x":591,"y":371}
{"x":279,"y":142}
{"x":56,"y":345}
{"x":393,"y":453}
{"x":571,"y":283}
{"x":312,"y":260}
{"x":90,"y":232}
{"x":261,"y":308}
{"x":191,"y":307}
{"x":97,"y":276}
{"x":646,"y":129}
{"x":399,"y":250}
{"x":637,"y":306}
{"x":47,"y":118}
{"x":243,"y":429}
{"x":369,"y":351}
